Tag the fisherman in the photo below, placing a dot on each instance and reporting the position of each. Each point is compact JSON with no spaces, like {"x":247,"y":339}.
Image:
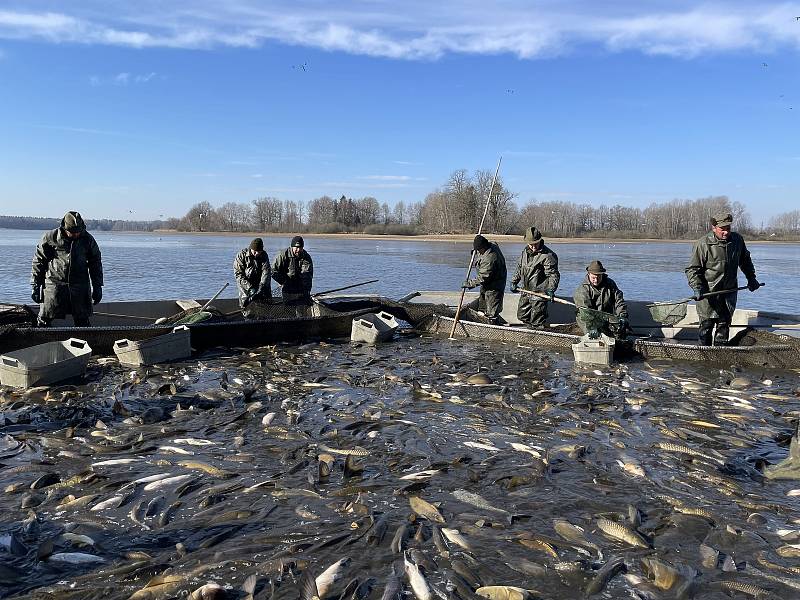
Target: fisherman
{"x":294,"y":271}
{"x":599,"y":292}
{"x":490,"y":265}
{"x":66,"y":260}
{"x":537,"y":271}
{"x":252,"y":271}
{"x":713,"y":267}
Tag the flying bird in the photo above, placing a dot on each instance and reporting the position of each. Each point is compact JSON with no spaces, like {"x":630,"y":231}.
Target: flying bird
{"x":764,"y":65}
{"x":301,"y":66}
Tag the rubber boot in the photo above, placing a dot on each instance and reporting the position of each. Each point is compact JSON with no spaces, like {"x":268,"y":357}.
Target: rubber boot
{"x":704,"y":332}
{"x":721,"y":335}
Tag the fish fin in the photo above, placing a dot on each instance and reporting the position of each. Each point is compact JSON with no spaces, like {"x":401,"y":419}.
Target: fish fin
{"x":308,"y":587}
{"x":249,"y":585}
{"x":794,"y":445}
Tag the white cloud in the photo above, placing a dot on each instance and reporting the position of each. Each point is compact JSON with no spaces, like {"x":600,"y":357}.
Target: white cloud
{"x":256,"y":176}
{"x":385,"y":177}
{"x":122,"y":79}
{"x":418,"y":29}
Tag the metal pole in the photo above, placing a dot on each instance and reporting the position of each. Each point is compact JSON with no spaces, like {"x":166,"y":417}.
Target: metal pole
{"x":472,"y":256}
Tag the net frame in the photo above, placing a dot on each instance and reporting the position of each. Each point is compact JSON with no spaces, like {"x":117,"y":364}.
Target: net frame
{"x":668,"y":313}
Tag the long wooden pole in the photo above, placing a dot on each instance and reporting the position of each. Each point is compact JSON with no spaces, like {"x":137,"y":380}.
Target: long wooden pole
{"x":472,"y":256}
{"x":347,"y":287}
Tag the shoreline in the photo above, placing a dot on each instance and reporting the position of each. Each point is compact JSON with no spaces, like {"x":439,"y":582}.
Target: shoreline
{"x":439,"y":238}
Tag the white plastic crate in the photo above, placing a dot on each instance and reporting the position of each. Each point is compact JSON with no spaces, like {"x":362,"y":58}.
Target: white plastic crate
{"x":45,"y":363}
{"x":175,"y":345}
{"x":599,"y":351}
{"x":373,"y":328}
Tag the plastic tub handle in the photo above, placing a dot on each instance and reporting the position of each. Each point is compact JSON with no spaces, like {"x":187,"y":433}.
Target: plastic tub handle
{"x":121,"y":343}
{"x":366,"y":323}
{"x":11,"y":362}
{"x":76,"y":343}
{"x":386,"y":316}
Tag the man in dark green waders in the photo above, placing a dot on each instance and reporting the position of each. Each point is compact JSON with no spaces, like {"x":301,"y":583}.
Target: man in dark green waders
{"x":599,"y":292}
{"x":252,"y":271}
{"x":537,"y":271}
{"x":490,"y":265}
{"x":716,"y":259}
{"x":294,"y":271}
{"x":67,"y":273}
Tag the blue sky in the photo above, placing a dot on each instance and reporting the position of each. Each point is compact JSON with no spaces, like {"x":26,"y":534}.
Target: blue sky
{"x":138,"y":109}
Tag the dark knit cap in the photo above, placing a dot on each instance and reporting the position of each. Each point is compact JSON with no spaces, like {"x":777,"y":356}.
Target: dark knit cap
{"x":297,"y":242}
{"x":480,"y":243}
{"x":257,"y":244}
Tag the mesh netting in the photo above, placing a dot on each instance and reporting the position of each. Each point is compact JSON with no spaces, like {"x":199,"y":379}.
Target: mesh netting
{"x":774,"y":351}
{"x":596,"y":319}
{"x":16,"y":314}
{"x":668,"y":313}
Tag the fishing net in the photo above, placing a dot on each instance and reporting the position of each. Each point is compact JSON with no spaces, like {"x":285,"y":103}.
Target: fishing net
{"x":667,"y":313}
{"x":596,"y":320}
{"x":16,"y":314}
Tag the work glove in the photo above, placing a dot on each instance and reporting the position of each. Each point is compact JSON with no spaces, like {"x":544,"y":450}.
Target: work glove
{"x":36,"y":294}
{"x":469,"y":284}
{"x":248,"y":298}
{"x":753,"y":285}
{"x":514,"y":288}
{"x":551,"y":295}
{"x":623,"y":325}
{"x":594,"y":334}
{"x":698,"y":294}
{"x":97,"y":295}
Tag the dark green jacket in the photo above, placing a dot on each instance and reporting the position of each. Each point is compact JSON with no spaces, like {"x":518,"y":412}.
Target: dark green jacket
{"x":714,"y":266}
{"x":491,"y":269}
{"x":293,"y":273}
{"x":68,"y":269}
{"x":252,"y":273}
{"x":537,"y":271}
{"x":606,"y":297}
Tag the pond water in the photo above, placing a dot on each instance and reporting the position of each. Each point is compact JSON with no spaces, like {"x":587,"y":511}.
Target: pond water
{"x":152,"y":266}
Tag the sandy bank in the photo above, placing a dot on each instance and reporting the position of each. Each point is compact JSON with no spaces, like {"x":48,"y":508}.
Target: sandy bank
{"x":444,"y":238}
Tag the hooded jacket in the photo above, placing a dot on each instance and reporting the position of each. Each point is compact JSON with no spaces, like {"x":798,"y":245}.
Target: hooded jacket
{"x":68,"y":269}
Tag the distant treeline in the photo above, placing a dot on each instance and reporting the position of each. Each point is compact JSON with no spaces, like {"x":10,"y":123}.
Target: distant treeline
{"x":456,"y":207}
{"x":8,"y":222}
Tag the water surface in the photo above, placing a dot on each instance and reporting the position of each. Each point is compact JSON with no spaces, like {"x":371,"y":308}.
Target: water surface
{"x":152,"y":266}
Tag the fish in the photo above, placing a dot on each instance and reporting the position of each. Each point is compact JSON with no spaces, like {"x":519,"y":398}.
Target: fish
{"x":194,"y":442}
{"x":137,"y":514}
{"x":622,"y":533}
{"x":416,"y":580}
{"x":391,"y":590}
{"x":425,"y":509}
{"x":477,"y":501}
{"x":331,"y":575}
{"x":399,"y":539}
{"x":357,"y":451}
{"x":789,"y":468}
{"x":113,"y":502}
{"x":175,"y":450}
{"x":421,"y":475}
{"x":455,"y":537}
{"x":206,"y":468}
{"x":116,"y":461}
{"x":480,"y":446}
{"x":604,"y":575}
{"x":167,"y":481}
{"x":75,"y":558}
{"x":503,"y":592}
